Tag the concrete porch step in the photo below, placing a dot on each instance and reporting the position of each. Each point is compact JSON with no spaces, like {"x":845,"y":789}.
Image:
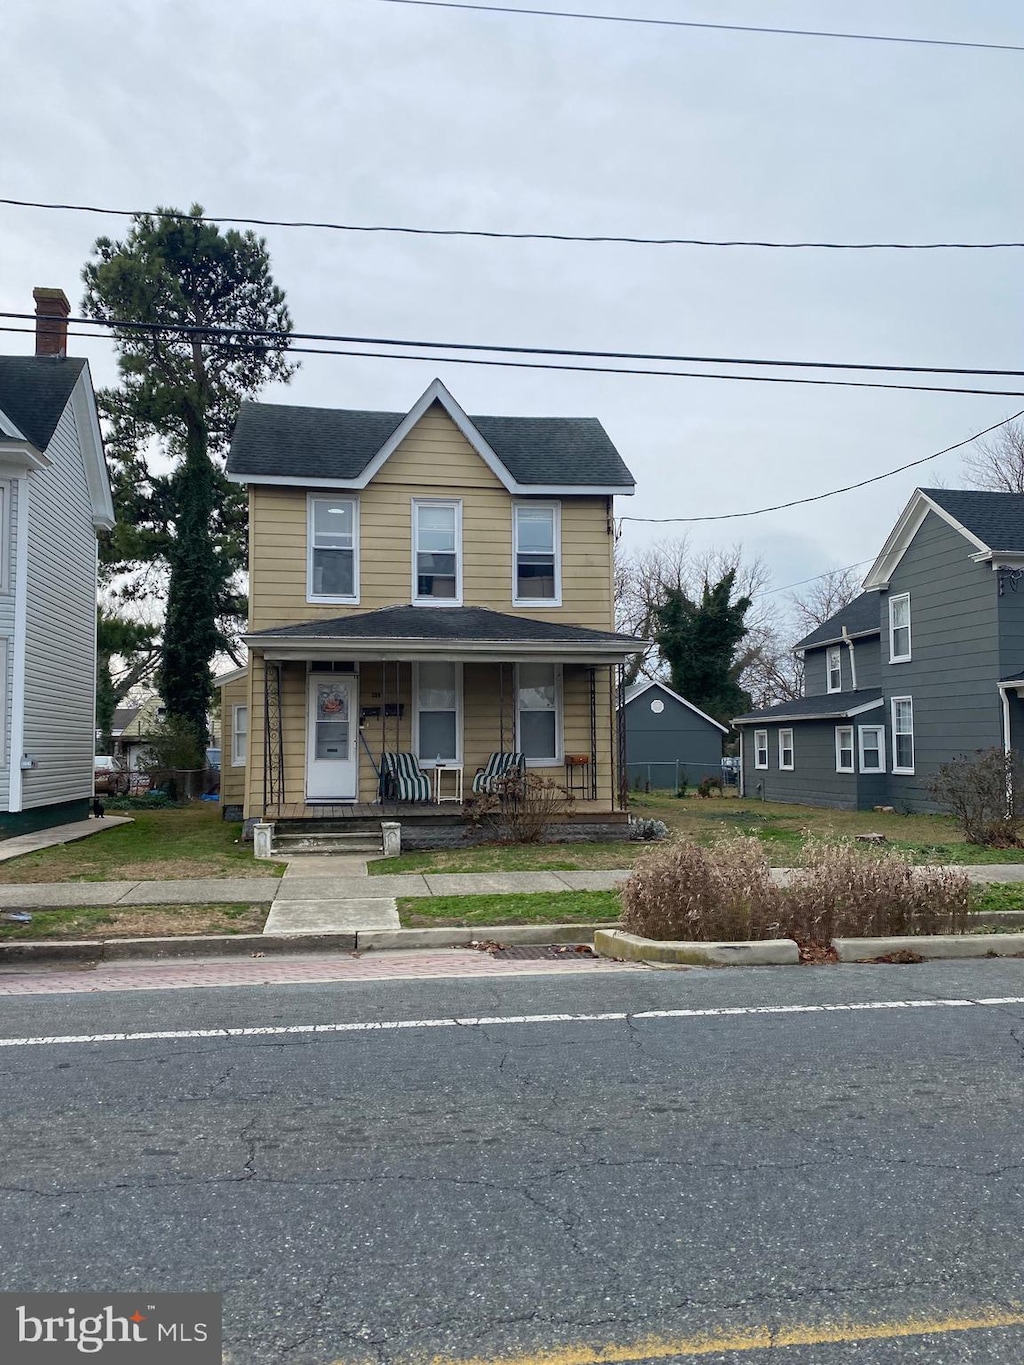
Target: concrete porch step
{"x":356,"y":842}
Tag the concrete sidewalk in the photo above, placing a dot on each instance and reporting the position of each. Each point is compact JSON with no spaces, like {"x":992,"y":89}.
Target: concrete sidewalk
{"x":58,"y":834}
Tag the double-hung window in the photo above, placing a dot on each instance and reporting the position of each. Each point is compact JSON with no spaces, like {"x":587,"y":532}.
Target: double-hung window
{"x":899,"y":628}
{"x":844,"y":748}
{"x":786,"y":750}
{"x":239,"y":735}
{"x":760,"y":748}
{"x":538,"y":712}
{"x":333,"y":537}
{"x":835,"y":668}
{"x":437,"y":552}
{"x":902,"y":735}
{"x":872,"y":748}
{"x":536,"y":534}
{"x":438,"y":707}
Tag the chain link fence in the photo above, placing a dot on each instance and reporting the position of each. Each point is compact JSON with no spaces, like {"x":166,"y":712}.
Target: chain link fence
{"x":671,"y":774}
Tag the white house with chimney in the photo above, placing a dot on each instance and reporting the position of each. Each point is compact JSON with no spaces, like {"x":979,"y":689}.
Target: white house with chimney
{"x":54,"y":500}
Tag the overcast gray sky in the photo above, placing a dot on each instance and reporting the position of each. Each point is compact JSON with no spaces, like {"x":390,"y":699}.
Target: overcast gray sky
{"x":358,"y":111}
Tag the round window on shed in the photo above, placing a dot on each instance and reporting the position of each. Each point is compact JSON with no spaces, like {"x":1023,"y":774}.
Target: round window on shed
{"x":657,"y":706}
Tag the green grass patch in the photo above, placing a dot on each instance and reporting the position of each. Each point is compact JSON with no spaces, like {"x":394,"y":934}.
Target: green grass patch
{"x":514,"y":858}
{"x":557,"y":907}
{"x":137,"y":921}
{"x":187,"y":841}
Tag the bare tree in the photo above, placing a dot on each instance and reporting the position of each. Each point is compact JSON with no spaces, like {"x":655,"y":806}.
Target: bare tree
{"x":824,"y":597}
{"x":998,"y":463}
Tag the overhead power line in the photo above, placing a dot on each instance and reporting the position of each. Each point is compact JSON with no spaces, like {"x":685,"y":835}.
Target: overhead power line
{"x":771,"y":592}
{"x":721,"y":28}
{"x":493,"y":235}
{"x":231,"y":336}
{"x":835,"y":492}
{"x":364,"y":354}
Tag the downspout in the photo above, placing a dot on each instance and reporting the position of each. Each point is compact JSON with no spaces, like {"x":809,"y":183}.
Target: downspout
{"x":853,"y":658}
{"x":1005,"y":698}
{"x":742,"y":790}
{"x":19,"y":644}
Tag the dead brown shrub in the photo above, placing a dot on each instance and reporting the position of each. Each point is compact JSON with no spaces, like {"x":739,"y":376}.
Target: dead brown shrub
{"x":846,"y":892}
{"x":521,"y":807}
{"x":685,"y":890}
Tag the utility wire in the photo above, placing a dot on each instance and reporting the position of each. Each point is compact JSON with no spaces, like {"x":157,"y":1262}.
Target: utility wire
{"x":689,"y":23}
{"x":364,"y":354}
{"x":514,"y":236}
{"x":283,"y":338}
{"x":770,"y":592}
{"x":835,"y":492}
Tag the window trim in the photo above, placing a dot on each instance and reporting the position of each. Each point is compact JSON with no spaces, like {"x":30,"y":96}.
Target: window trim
{"x":555,"y":504}
{"x":311,"y":596}
{"x":895,"y":658}
{"x":559,"y":757}
{"x":783,"y":766}
{"x":837,"y":651}
{"x":455,"y":601}
{"x":431,"y":763}
{"x":861,"y":730}
{"x":760,"y":748}
{"x":907,"y":772}
{"x":236,"y":761}
{"x":846,"y":729}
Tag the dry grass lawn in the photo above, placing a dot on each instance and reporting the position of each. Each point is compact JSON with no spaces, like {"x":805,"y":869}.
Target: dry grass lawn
{"x":138,"y":921}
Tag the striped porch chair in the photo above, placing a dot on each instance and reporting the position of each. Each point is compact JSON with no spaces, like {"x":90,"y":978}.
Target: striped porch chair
{"x":497,"y":767}
{"x":402,"y":779}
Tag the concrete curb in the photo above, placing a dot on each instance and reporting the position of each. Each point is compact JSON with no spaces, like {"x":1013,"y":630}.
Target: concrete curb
{"x":772,"y":952}
{"x":931,"y":946}
{"x":239,"y":945}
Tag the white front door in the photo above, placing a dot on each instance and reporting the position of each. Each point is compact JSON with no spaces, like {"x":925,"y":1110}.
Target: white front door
{"x":333,"y":734}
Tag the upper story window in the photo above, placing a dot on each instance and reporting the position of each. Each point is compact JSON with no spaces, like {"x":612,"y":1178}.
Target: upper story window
{"x":536,"y":534}
{"x":834,"y":660}
{"x":437,"y":552}
{"x":899,"y":628}
{"x":333,"y":537}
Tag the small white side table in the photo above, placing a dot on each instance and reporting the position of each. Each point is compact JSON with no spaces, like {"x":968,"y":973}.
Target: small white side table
{"x":455,"y":769}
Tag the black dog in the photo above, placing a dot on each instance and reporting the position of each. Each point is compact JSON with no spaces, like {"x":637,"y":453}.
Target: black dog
{"x":97,"y":808}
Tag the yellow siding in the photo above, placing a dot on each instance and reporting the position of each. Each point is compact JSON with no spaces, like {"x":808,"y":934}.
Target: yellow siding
{"x":232,"y":780}
{"x":434,"y":460}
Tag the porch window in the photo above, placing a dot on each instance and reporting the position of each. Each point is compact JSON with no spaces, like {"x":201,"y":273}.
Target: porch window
{"x":835,"y":669}
{"x":786,"y":750}
{"x":438,"y":706}
{"x":437,"y":552}
{"x":844,"y":748}
{"x":902,"y":735}
{"x":899,"y":628}
{"x":333,"y":535}
{"x":760,"y":748}
{"x":239,"y":735}
{"x":872,"y":748}
{"x":537,"y":569}
{"x":538,"y":707}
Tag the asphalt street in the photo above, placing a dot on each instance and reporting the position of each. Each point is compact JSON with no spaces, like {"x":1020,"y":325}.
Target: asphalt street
{"x":814,"y":1187}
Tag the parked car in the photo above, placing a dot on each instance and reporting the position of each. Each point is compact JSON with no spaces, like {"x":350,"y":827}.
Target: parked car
{"x":110,"y":777}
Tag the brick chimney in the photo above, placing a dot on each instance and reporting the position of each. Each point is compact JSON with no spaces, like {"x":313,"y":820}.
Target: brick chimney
{"x":52,"y":311}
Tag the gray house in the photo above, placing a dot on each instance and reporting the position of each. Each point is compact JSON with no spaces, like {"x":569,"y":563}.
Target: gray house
{"x":927,"y":663}
{"x":54,"y":497}
{"x":668,"y":738}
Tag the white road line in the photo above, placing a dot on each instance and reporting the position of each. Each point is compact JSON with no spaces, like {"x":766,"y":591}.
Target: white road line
{"x":392,"y":1025}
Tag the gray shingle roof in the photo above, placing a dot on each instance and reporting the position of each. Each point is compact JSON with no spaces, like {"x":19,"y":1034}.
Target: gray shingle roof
{"x":275,"y":440}
{"x":861,"y":617}
{"x":445,"y":625}
{"x":997,"y":519}
{"x":831,"y":706}
{"x":34,"y":391}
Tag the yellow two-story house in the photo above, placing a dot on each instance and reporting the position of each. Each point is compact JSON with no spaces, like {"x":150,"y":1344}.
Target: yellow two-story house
{"x":424,"y":584}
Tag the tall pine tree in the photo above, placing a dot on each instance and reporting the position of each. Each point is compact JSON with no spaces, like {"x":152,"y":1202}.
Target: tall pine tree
{"x":700,"y":642}
{"x":179,"y":395}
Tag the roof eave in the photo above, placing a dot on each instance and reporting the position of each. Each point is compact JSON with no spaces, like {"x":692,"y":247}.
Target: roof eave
{"x":895,"y":547}
{"x":360,"y":649}
{"x":563,"y":490}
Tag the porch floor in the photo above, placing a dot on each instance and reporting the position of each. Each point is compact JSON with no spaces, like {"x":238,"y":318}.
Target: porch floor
{"x":407,"y":810}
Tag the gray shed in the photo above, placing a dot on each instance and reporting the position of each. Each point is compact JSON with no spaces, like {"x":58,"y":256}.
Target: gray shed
{"x":668,"y":738}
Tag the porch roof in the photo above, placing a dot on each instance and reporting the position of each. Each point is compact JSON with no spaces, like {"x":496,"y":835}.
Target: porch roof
{"x":406,"y":632}
{"x":829,"y":706}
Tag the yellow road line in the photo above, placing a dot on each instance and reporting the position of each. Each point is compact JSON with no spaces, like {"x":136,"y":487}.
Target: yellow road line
{"x":744,"y":1339}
